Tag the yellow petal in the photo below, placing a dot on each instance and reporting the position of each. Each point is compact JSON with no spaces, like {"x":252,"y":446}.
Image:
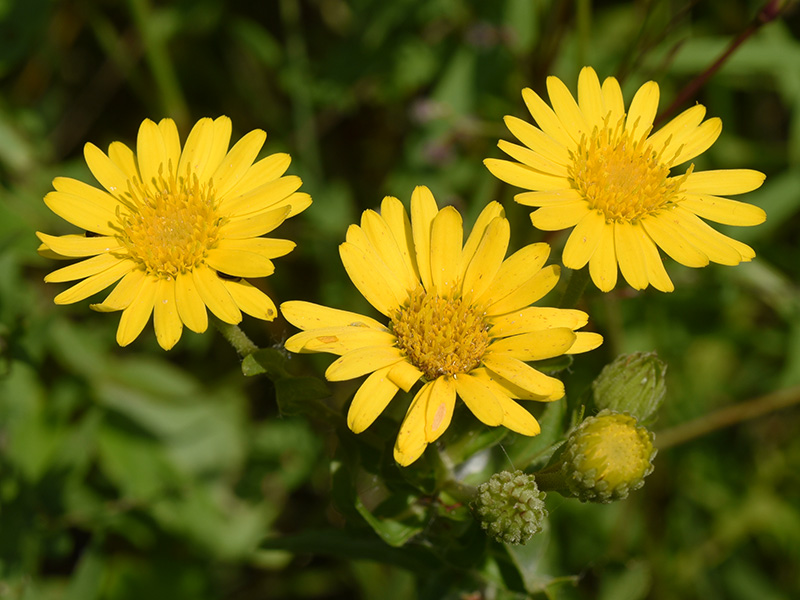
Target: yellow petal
{"x":306,"y":315}
{"x":95,"y":283}
{"x":481,"y":271}
{"x":524,"y":176}
{"x":262,"y":172}
{"x":383,"y":242}
{"x":566,"y":108}
{"x":590,"y":97}
{"x":585,"y":341}
{"x":516,"y":418}
{"x":197,"y":148}
{"x":151,"y":153}
{"x":706,"y":239}
{"x":77,"y":246}
{"x":603,"y":264}
{"x":515,"y":271}
{"x":656,"y":273}
{"x":125,"y":159}
{"x":84,"y":268}
{"x":396,"y":219}
{"x":560,"y":216}
{"x":404,"y":375}
{"x":642,"y":110}
{"x":612,"y":100}
{"x":215,"y":295}
{"x":672,"y":240}
{"x":106,"y":171}
{"x":700,"y":140}
{"x":191,"y":308}
{"x":123,"y":293}
{"x":529,"y":292}
{"x":533,"y":159}
{"x":489,"y":213}
{"x":370,"y":400}
{"x":536,"y":318}
{"x":668,"y":140}
{"x":480,"y":399}
{"x":166,"y":321}
{"x":172,"y":143}
{"x":423,"y":211}
{"x":535,"y":345}
{"x":135,"y":317}
{"x":261,"y":198}
{"x":724,"y":182}
{"x":253,"y":225}
{"x":220,"y":140}
{"x":371,"y":277}
{"x":251,"y":300}
{"x":439,"y":410}
{"x":503,"y":387}
{"x":628,"y":241}
{"x":546,"y":119}
{"x":551,"y":198}
{"x":411,"y":442}
{"x":338,"y":340}
{"x":361,"y":361}
{"x":266,"y":247}
{"x":238,"y":161}
{"x":447,"y":231}
{"x":84,"y":205}
{"x":719,"y":210}
{"x":524,"y":376}
{"x":297,"y":203}
{"x":239,"y":263}
{"x":538,"y":141}
{"x":583,"y":240}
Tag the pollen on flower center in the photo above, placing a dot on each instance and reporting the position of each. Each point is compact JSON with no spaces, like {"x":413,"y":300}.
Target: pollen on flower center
{"x":621,"y":176}
{"x":172,"y":224}
{"x":441,"y":336}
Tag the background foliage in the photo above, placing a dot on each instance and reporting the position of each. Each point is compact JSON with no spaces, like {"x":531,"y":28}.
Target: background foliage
{"x":130,"y":472}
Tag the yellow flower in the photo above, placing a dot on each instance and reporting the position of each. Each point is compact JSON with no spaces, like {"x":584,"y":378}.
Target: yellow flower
{"x":179,"y":230}
{"x":596,"y":168}
{"x":458,"y":318}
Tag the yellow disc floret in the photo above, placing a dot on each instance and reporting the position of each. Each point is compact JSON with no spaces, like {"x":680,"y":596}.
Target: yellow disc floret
{"x":173,"y":226}
{"x":621,"y":176}
{"x":441,"y":336}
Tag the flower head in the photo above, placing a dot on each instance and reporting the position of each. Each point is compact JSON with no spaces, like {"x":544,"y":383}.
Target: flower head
{"x":510,"y":507}
{"x":592,"y":166}
{"x":176,"y":230}
{"x":457,"y":317}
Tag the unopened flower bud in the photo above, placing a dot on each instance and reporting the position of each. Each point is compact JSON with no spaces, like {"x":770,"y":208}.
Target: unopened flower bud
{"x":606,"y":457}
{"x":510,"y":507}
{"x":633,"y":383}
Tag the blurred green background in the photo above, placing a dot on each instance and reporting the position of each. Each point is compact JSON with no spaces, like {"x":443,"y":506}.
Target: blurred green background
{"x":129,"y":473}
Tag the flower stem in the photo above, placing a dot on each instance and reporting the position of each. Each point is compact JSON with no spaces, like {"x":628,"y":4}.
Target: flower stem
{"x":770,"y":11}
{"x":237,"y":338}
{"x":551,"y":479}
{"x":575,"y":287}
{"x":725,"y":417}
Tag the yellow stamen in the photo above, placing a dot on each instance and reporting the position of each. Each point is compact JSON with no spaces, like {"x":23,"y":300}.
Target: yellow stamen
{"x":441,"y":336}
{"x":172,"y":224}
{"x":620,"y":176}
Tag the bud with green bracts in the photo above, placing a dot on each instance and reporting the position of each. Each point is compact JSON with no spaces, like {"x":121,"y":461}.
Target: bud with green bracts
{"x":633,"y":383}
{"x":510,"y":507}
{"x":604,"y":458}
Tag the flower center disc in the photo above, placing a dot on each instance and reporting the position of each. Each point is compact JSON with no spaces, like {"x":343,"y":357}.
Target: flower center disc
{"x":171,"y":226}
{"x":621,"y":177}
{"x":441,"y":336}
{"x":617,"y":452}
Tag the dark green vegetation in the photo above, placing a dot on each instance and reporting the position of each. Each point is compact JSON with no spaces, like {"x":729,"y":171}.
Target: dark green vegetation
{"x":134,"y":473}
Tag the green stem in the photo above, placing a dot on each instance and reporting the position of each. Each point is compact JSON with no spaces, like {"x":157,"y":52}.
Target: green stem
{"x":551,"y":479}
{"x":725,"y":417}
{"x":159,"y":60}
{"x":584,"y":23}
{"x":460,"y":491}
{"x":237,"y":338}
{"x":575,"y":287}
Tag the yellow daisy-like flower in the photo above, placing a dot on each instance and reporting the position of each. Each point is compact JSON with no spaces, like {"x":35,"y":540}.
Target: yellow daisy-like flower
{"x":179,"y":230}
{"x":596,"y":168}
{"x":459,"y":319}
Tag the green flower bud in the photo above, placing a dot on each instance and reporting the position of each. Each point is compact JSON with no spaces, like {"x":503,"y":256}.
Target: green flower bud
{"x":510,"y":507}
{"x":606,"y":457}
{"x":633,"y":383}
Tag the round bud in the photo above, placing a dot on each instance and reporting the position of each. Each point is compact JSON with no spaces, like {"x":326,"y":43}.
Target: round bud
{"x":510,"y":507}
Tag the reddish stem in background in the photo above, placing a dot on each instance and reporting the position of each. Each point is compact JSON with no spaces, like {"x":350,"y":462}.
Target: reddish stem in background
{"x":771,"y":11}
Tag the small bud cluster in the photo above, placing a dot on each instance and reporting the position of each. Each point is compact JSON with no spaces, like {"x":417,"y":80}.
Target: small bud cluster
{"x":510,"y":507}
